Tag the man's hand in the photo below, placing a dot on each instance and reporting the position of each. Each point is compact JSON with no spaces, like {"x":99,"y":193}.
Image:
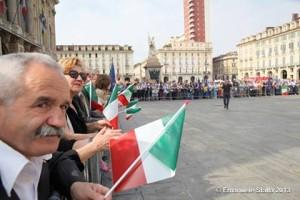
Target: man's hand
{"x":90,"y":191}
{"x":103,"y":123}
{"x":101,"y":140}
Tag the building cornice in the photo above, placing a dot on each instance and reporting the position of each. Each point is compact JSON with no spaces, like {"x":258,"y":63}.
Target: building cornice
{"x":294,"y":25}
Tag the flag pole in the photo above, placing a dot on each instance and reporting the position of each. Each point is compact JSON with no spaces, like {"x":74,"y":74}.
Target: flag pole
{"x":90,"y":98}
{"x":144,"y":153}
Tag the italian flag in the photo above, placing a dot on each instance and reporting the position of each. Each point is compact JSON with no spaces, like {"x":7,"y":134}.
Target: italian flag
{"x":130,"y":111}
{"x":147,"y":154}
{"x":124,"y":97}
{"x":132,"y":103}
{"x":111,"y":111}
{"x":133,"y":109}
{"x":90,"y":91}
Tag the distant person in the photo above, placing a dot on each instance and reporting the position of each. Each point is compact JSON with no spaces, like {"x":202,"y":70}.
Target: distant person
{"x":226,"y":93}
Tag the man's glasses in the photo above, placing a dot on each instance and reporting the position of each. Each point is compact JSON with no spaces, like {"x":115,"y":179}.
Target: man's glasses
{"x":74,"y":74}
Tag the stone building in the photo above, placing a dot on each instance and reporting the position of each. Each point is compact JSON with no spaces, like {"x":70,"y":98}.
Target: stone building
{"x":274,"y":52}
{"x":27,"y":26}
{"x":100,"y":57}
{"x":182,"y":59}
{"x":225,"y":66}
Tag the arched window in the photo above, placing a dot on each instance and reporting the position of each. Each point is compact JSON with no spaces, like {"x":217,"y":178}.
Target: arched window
{"x":284,"y":74}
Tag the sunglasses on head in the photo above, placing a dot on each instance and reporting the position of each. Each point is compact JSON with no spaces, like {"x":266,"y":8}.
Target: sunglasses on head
{"x":74,"y":74}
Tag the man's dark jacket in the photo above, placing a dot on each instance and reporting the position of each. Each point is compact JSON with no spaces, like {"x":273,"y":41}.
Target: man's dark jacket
{"x":58,"y":174}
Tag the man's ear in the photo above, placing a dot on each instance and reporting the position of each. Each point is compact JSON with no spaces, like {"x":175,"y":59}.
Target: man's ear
{"x":2,"y":112}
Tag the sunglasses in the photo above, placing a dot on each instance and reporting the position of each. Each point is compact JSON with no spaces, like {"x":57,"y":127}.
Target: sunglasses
{"x":74,"y":74}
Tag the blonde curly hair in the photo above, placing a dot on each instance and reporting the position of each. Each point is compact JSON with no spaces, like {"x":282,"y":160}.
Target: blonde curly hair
{"x":69,"y":63}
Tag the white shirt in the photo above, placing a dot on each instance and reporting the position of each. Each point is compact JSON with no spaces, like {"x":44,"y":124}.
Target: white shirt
{"x":19,"y":173}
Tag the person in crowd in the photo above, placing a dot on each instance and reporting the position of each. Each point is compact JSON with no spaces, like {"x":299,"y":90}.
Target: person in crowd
{"x":127,"y":82}
{"x":73,"y":70}
{"x":102,"y":88}
{"x":226,"y":93}
{"x":34,"y":98}
{"x":89,"y":96}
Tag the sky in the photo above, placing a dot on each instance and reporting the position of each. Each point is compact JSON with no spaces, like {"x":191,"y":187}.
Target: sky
{"x":132,"y":21}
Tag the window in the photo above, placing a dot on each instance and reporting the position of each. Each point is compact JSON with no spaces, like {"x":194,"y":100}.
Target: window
{"x":291,"y":46}
{"x":283,"y":47}
{"x":270,"y":51}
{"x":276,"y":50}
{"x":291,"y":60}
{"x":257,"y":53}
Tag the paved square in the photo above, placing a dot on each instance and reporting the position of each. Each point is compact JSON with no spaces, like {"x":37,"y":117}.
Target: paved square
{"x":251,"y":151}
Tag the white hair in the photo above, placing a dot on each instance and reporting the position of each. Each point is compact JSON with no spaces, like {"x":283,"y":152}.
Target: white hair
{"x":13,"y":68}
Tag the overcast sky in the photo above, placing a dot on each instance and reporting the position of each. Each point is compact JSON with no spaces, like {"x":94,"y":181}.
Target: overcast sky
{"x":131,"y":21}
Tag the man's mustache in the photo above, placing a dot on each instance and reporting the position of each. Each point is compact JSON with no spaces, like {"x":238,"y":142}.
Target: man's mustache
{"x":47,"y":130}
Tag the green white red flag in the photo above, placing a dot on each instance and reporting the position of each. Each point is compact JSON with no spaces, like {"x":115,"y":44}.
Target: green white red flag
{"x":124,"y":97}
{"x":151,"y":152}
{"x":111,"y":111}
{"x":131,"y":103}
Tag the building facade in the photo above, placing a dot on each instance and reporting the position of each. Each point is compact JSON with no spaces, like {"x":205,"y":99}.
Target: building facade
{"x":196,"y":20}
{"x":27,"y":26}
{"x":100,"y":57}
{"x":181,"y":59}
{"x":274,"y":53}
{"x":225,"y":66}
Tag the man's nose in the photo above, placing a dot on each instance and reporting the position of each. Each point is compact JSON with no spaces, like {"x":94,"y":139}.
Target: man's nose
{"x":57,"y":118}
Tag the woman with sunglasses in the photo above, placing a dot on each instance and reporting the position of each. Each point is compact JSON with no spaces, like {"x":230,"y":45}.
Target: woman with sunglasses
{"x":77,"y":129}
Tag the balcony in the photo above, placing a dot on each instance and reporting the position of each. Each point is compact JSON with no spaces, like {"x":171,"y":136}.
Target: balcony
{"x":17,"y":31}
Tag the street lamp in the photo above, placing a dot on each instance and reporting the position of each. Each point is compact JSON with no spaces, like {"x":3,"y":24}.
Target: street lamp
{"x":205,"y":65}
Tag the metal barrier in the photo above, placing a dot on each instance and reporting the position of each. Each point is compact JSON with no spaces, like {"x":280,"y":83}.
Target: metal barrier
{"x":92,"y":169}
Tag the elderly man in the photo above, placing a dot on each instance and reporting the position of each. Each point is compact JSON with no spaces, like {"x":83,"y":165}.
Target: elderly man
{"x":34,"y":96}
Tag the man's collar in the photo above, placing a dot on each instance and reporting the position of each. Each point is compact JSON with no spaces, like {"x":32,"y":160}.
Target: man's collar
{"x":11,"y":164}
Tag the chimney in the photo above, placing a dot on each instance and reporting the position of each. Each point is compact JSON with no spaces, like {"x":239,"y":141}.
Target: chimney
{"x":269,"y":28}
{"x":295,"y":16}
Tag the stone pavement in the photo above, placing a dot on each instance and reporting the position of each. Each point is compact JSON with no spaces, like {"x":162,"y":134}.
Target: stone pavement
{"x":249,"y":152}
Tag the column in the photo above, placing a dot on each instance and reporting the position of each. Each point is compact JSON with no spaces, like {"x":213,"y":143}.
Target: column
{"x":12,"y":10}
{"x":29,"y":18}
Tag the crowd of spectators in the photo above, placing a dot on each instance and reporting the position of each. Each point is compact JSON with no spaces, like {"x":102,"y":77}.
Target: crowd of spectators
{"x":172,"y":90}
